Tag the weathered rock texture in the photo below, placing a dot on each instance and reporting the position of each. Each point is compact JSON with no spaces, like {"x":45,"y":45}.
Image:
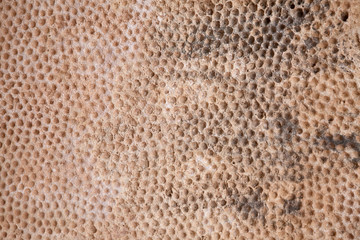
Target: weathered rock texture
{"x":179,"y":119}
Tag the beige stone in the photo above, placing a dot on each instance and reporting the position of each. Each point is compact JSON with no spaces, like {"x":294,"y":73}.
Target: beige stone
{"x":179,"y":119}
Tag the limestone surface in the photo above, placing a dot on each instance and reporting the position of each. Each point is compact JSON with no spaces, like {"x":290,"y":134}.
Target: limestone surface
{"x":179,"y":119}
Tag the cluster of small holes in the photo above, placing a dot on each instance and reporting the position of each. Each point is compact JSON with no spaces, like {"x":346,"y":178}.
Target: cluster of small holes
{"x":138,"y":119}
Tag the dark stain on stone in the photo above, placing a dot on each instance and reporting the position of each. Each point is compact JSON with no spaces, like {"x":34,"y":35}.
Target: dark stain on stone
{"x":250,"y":206}
{"x":292,"y":206}
{"x":251,"y":203}
{"x":311,"y":42}
{"x":288,"y":128}
{"x":330,"y":142}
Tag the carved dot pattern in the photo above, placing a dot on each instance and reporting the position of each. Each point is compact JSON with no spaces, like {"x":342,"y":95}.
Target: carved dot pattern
{"x":179,"y":119}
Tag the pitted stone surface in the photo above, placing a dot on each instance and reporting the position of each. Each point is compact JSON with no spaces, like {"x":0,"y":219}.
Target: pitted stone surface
{"x":179,"y":119}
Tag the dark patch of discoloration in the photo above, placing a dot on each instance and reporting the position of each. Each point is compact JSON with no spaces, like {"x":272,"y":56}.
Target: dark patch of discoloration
{"x":333,"y":141}
{"x":292,"y":206}
{"x":250,"y":203}
{"x":330,"y":142}
{"x":355,"y":162}
{"x":287,"y":128}
{"x":311,"y":42}
{"x":250,"y":206}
